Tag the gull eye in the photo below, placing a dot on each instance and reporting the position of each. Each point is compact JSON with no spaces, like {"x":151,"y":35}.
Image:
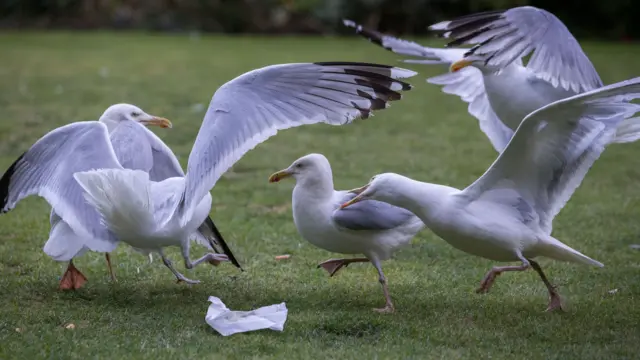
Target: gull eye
{"x":298,"y":165}
{"x":135,"y":114}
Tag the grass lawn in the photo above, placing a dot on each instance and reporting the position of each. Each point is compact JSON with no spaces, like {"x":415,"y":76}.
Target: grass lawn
{"x":47,"y":80}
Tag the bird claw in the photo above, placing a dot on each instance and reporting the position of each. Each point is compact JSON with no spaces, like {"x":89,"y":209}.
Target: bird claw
{"x":72,"y":279}
{"x":332,"y":266}
{"x":216,"y":259}
{"x":389,"y":309}
{"x":487,"y":282}
{"x":555,"y":303}
{"x":187,"y":280}
{"x":485,"y":285}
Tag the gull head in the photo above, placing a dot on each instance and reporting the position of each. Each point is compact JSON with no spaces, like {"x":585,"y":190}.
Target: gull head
{"x":310,"y":169}
{"x":475,"y":61}
{"x":118,"y":113}
{"x":381,"y":187}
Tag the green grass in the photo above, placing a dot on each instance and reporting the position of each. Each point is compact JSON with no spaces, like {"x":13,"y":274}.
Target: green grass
{"x":47,"y":80}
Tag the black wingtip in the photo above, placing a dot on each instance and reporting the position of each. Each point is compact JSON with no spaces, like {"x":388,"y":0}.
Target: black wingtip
{"x":351,"y":63}
{"x":5,"y":181}
{"x":376,"y":76}
{"x":225,"y":247}
{"x":369,"y":34}
{"x":465,"y":28}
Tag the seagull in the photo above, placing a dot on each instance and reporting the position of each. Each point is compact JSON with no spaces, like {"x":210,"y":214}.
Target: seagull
{"x":135,"y":148}
{"x":500,"y":94}
{"x":507,"y":214}
{"x":372,"y":228}
{"x":63,"y":244}
{"x":104,"y":203}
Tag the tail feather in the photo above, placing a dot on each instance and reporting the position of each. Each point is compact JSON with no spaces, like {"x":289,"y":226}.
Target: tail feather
{"x":212,"y":238}
{"x":121,"y":196}
{"x":628,"y":131}
{"x":554,"y":249}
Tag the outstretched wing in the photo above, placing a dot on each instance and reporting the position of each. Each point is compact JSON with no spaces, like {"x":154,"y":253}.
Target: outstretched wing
{"x":555,"y":146}
{"x":408,"y":48}
{"x":507,"y":36}
{"x":254,"y":106}
{"x":468,"y":83}
{"x":47,"y":169}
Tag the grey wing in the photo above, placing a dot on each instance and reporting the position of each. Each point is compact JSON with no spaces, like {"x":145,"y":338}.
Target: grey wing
{"x":47,"y":169}
{"x":370,"y":215}
{"x":165,"y":162}
{"x":408,"y":48}
{"x":555,"y":146}
{"x":131,"y":147}
{"x":251,"y":108}
{"x":506,"y":36}
{"x":468,"y":83}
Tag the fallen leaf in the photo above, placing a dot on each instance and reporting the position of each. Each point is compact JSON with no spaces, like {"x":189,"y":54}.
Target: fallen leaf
{"x":70,"y":326}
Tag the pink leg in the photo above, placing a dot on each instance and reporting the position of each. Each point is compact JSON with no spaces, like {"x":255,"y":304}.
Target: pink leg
{"x":488,"y":280}
{"x":72,"y":279}
{"x":555,"y":302}
{"x":333,"y":265}
{"x":388,"y":306}
{"x":113,"y":275}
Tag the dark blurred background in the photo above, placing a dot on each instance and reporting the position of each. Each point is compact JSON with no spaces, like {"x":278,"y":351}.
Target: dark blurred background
{"x":595,"y":19}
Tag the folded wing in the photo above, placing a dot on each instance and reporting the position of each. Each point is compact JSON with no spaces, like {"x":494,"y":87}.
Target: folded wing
{"x":370,"y":215}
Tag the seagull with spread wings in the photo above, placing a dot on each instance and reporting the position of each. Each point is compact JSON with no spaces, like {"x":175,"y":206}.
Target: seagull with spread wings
{"x":492,"y":77}
{"x":136,"y":148}
{"x":104,"y":203}
{"x":507,"y":214}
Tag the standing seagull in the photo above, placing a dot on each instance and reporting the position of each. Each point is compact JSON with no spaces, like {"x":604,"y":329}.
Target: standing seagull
{"x":135,"y":148}
{"x":501,"y":94}
{"x":63,"y":244}
{"x":507,"y":214}
{"x":372,"y":228}
{"x":125,"y":205}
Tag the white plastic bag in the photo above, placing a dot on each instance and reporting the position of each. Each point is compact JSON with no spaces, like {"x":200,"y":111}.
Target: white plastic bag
{"x":228,"y":322}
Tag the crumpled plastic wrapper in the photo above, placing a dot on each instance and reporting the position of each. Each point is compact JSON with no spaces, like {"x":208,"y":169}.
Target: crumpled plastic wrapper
{"x":228,"y":322}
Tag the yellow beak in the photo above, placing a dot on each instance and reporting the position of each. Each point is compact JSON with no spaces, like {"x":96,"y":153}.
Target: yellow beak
{"x":157,"y":121}
{"x":275,"y":177}
{"x":460,"y":64}
{"x":359,"y":190}
{"x":356,"y":199}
